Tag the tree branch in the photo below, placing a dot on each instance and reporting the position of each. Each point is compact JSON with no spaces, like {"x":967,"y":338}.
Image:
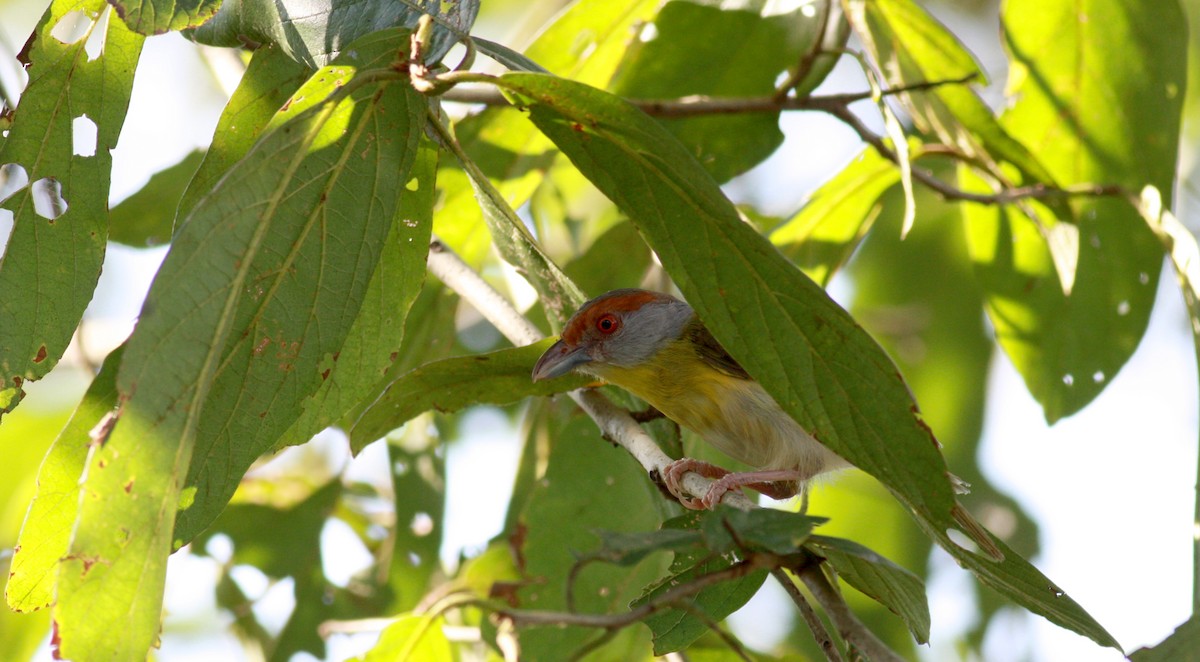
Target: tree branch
{"x":820,"y":634}
{"x":615,"y":423}
{"x":837,"y":105}
{"x":694,"y":105}
{"x":858,"y":636}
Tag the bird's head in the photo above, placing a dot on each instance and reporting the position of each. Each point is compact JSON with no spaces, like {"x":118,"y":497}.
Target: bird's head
{"x":623,"y":328}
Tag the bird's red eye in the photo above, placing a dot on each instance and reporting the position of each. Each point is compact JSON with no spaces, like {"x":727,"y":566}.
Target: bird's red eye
{"x":608,"y":323}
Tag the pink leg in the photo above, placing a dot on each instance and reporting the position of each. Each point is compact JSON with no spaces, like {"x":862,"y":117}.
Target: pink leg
{"x":777,"y":484}
{"x":673,"y":473}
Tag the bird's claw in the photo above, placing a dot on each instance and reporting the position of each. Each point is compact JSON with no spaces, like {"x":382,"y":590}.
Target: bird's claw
{"x":673,"y":474}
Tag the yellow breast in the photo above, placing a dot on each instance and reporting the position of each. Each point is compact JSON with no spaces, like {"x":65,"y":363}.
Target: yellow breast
{"x":735,"y":415}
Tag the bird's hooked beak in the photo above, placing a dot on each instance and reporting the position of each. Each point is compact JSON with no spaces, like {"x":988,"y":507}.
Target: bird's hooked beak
{"x":559,"y":360}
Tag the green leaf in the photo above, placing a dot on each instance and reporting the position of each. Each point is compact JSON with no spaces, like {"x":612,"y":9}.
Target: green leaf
{"x":286,"y":542}
{"x":805,"y":350}
{"x":823,"y":235}
{"x":704,"y":48}
{"x":585,"y":43}
{"x":588,"y":40}
{"x":242,"y":419}
{"x":910,"y":47}
{"x":615,"y":259}
{"x":1181,"y":646}
{"x":292,"y":548}
{"x":929,"y":321}
{"x":48,"y":524}
{"x":1099,"y":115}
{"x":269,"y":81}
{"x":515,"y":243}
{"x":54,"y":262}
{"x":314,"y":32}
{"x":236,"y":302}
{"x":892,"y":586}
{"x":676,"y":628}
{"x":377,"y":335}
{"x":411,"y":637}
{"x":511,"y":59}
{"x":587,"y":485}
{"x":418,"y":473}
{"x":763,"y":529}
{"x":629,"y":548}
{"x":147,"y":217}
{"x":428,"y":336}
{"x":500,"y":378}
{"x":151,"y":17}
{"x":725,"y":531}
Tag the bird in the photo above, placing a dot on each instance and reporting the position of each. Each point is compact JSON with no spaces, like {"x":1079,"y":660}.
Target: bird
{"x":656,"y":347}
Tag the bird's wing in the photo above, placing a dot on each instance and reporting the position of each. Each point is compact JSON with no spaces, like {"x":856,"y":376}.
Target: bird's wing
{"x":711,"y":351}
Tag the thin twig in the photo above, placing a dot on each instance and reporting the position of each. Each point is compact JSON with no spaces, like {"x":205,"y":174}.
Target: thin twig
{"x":704,"y":105}
{"x":804,"y":67}
{"x":614,"y":423}
{"x":663,"y":601}
{"x":837,"y":105}
{"x":856,"y":635}
{"x":815,"y":625}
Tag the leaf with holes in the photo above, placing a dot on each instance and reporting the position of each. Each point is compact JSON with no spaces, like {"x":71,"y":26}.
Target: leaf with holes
{"x":258,"y":292}
{"x":1095,"y":115}
{"x":807,"y":352}
{"x":60,"y":219}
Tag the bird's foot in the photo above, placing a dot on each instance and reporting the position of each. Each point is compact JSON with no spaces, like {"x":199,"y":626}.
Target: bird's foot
{"x":672,"y":476}
{"x":777,"y":484}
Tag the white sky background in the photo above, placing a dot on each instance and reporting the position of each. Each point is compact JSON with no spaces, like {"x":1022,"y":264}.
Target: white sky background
{"x":1111,"y":487}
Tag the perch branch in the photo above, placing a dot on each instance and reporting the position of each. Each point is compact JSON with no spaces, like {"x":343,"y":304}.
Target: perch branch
{"x":615,"y":423}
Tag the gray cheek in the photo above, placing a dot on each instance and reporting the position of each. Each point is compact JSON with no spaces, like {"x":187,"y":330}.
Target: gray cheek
{"x":629,"y":348}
